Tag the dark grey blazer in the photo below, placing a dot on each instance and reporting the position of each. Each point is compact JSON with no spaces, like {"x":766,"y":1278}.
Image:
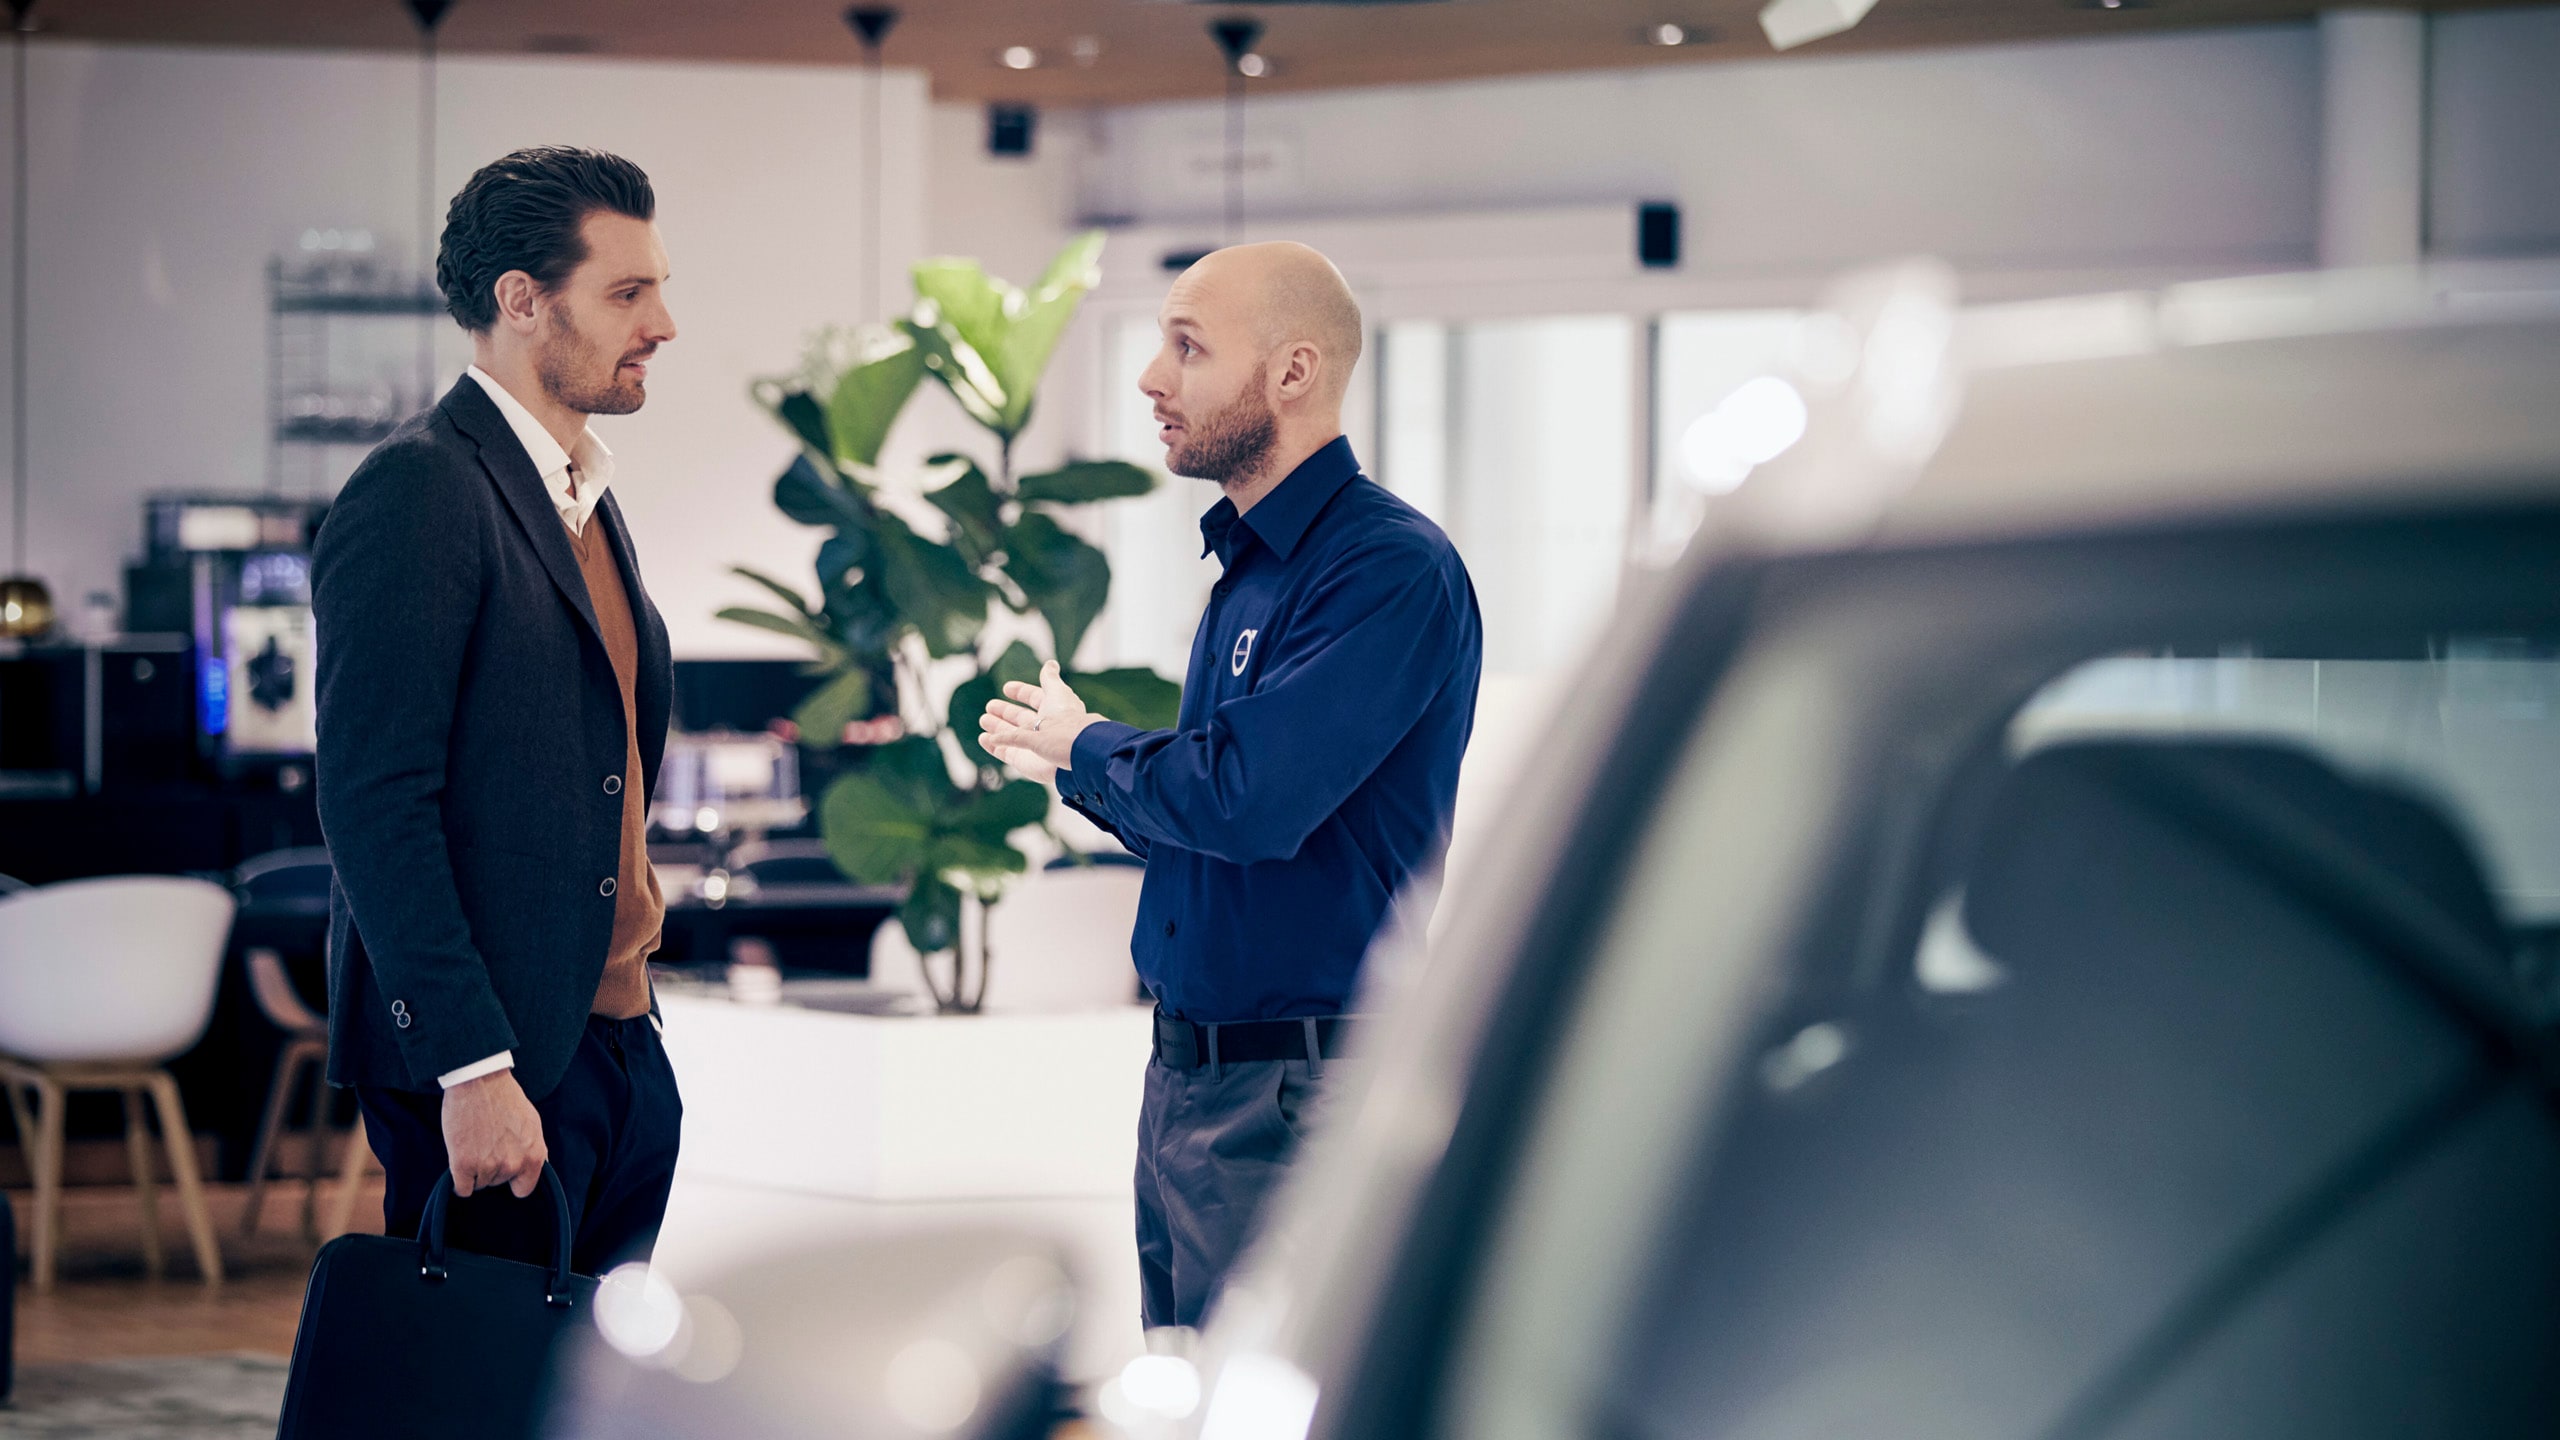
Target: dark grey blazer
{"x":471,"y":754}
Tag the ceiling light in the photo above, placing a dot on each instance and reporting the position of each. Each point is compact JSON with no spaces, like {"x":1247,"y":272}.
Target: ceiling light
{"x":1019,"y":57}
{"x":1789,"y":23}
{"x":1087,"y":49}
{"x":1667,"y":35}
{"x":1252,"y":67}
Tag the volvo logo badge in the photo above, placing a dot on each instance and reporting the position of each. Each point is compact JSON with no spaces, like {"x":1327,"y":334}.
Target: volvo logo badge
{"x":1244,"y":652}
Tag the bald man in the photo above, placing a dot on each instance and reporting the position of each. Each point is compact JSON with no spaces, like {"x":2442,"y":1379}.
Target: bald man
{"x":1312,"y":770}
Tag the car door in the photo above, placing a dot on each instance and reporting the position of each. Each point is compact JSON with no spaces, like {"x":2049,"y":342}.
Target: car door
{"x":1943,"y":1051}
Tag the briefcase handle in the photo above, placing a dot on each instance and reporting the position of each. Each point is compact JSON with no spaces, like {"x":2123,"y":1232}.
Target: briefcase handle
{"x":431,"y":1234}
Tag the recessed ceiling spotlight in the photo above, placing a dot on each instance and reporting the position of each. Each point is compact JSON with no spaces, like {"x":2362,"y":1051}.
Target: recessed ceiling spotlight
{"x":2110,"y":4}
{"x":1087,"y":49}
{"x":1790,"y":23}
{"x":1252,"y":66}
{"x":1668,"y":35}
{"x":1019,"y":57}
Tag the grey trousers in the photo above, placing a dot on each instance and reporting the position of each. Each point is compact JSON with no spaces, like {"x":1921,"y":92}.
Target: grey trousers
{"x":1212,"y":1143}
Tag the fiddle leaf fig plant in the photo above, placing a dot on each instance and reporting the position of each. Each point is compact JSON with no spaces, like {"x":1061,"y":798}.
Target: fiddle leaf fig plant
{"x":908,"y":587}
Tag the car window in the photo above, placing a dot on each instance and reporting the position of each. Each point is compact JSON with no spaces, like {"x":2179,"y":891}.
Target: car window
{"x":2474,"y":725}
{"x":2210,"y":1096}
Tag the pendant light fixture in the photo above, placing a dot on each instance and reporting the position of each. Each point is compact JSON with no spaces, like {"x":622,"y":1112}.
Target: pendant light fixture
{"x":871,"y":26}
{"x":429,"y":14}
{"x":26,"y":607}
{"x":1235,"y":35}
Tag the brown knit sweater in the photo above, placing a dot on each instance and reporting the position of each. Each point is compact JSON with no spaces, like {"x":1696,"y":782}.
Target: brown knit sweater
{"x":638,"y":909}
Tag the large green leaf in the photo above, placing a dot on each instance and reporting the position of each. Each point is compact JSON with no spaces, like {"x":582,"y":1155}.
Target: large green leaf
{"x":870,"y":393}
{"x":977,"y":526}
{"x":800,"y":411}
{"x":959,"y":368}
{"x":798,"y":627}
{"x":912,"y":770}
{"x":931,"y":915}
{"x":811,"y":498}
{"x":934,"y":587}
{"x":832,"y":706}
{"x":1132,"y":696}
{"x":1083,"y":481}
{"x":781,"y":591}
{"x":982,"y":859}
{"x":874,"y":835}
{"x":969,"y":698}
{"x":1012,"y":333}
{"x":1066,"y":579}
{"x":994,"y":814}
{"x":842,"y":554}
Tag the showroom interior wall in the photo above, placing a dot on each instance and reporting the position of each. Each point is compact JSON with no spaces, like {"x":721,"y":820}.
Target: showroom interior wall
{"x":163,"y":179}
{"x":2195,"y":149}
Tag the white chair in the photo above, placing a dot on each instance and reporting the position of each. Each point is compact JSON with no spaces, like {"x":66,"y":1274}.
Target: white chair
{"x":101,"y":983}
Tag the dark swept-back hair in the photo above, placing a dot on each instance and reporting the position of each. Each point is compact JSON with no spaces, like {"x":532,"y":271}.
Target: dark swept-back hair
{"x":522,"y":212}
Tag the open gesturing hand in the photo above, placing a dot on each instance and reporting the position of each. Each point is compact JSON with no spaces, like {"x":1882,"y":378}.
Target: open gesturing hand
{"x":1034,"y":728}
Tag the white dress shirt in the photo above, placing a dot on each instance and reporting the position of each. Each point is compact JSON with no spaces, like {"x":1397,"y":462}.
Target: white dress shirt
{"x":576,"y":480}
{"x":577,"y":483}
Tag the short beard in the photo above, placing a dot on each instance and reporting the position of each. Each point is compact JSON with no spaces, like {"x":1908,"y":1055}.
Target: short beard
{"x":1233,"y":444}
{"x":565,"y":362}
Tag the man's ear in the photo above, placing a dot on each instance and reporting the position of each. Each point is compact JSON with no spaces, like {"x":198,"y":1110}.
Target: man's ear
{"x":1301,"y":365}
{"x":516,"y":295}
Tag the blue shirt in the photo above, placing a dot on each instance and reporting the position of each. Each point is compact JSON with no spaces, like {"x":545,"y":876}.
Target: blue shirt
{"x":1314,"y":763}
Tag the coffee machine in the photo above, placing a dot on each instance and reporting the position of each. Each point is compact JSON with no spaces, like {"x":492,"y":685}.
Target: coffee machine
{"x":232,"y":573}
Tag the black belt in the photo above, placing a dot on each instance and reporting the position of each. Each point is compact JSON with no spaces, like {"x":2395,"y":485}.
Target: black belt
{"x":1188,"y":1045}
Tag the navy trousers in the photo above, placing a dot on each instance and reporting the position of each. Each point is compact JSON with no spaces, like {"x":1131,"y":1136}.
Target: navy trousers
{"x":1212,"y":1144}
{"x":611,"y":1125}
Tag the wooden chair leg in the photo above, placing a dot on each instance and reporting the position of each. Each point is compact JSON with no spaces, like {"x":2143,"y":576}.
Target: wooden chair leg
{"x":182,"y":1166}
{"x":351,"y":1172}
{"x":315,"y":1160}
{"x":31,"y":1146}
{"x":47,"y":1163}
{"x":262,"y":1154}
{"x":137,"y":1149}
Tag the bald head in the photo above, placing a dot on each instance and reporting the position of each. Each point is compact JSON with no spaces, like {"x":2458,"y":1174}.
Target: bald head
{"x":1287,"y":293}
{"x":1259,"y":345}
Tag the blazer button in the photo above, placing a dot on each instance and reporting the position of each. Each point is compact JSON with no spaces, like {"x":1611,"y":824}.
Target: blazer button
{"x":1168,"y":929}
{"x":607,"y":887}
{"x":613,"y":784}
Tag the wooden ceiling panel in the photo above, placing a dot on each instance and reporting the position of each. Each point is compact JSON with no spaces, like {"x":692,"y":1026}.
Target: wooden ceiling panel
{"x":1116,"y":52}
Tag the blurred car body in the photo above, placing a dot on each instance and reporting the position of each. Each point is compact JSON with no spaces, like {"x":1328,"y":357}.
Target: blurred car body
{"x":2048,"y":938}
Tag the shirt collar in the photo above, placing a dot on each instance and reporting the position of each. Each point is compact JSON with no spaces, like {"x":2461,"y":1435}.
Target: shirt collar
{"x":1281,"y":518}
{"x":594,"y":461}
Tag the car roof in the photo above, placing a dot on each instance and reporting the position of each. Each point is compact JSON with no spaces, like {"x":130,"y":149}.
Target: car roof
{"x":2340,"y":391}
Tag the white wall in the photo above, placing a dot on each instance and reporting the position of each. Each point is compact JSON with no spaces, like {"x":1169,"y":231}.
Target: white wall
{"x":2193,"y":148}
{"x":2188,"y":151}
{"x":164,"y":178}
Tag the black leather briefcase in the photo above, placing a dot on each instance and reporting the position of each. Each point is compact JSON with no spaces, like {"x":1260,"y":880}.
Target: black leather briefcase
{"x":405,"y":1340}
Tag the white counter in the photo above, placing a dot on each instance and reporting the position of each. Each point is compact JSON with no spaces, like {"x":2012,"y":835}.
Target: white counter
{"x":802,"y":1125}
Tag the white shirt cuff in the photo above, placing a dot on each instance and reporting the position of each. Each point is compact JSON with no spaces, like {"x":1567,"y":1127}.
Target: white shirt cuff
{"x":503,"y":1060}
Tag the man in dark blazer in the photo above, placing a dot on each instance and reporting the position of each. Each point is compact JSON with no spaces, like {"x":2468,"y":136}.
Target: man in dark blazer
{"x":494,"y":688}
